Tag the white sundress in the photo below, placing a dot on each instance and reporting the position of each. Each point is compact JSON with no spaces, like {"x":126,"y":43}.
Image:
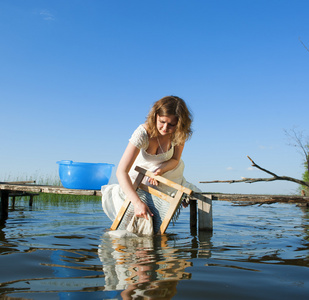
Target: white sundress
{"x":113,"y":196}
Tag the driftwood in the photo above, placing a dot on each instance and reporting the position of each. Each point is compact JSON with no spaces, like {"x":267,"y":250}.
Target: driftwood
{"x":257,"y":199}
{"x":252,"y":180}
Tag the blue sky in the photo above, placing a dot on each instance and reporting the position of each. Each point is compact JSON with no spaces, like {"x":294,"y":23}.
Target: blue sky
{"x":77,"y":77}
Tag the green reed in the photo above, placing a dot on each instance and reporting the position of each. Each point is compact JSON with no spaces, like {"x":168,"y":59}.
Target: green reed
{"x":55,"y":199}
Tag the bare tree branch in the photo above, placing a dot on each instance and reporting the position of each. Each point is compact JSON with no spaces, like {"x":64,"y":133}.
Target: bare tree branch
{"x":299,"y":141}
{"x":303,"y":44}
{"x":252,"y":180}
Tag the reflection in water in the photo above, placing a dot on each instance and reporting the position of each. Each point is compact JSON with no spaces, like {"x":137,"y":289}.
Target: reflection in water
{"x":119,"y":268}
{"x":142,"y":266}
{"x":59,"y":253}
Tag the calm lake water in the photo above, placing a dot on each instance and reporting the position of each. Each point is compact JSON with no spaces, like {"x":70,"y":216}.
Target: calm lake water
{"x":58,"y":250}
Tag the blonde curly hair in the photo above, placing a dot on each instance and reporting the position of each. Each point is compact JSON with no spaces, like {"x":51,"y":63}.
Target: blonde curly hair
{"x":171,"y":105}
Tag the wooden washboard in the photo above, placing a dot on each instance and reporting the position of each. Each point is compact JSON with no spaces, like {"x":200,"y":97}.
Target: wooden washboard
{"x":174,"y":201}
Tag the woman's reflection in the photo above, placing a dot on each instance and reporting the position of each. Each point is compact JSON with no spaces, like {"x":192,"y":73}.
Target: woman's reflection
{"x":142,"y":266}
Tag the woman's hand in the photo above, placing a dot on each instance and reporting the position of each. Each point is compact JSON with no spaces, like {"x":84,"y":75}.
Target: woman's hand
{"x":141,"y":210}
{"x":154,"y":181}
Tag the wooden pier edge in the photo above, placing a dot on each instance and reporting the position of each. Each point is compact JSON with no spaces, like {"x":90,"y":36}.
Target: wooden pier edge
{"x":200,"y":203}
{"x":197,"y":200}
{"x":15,"y":189}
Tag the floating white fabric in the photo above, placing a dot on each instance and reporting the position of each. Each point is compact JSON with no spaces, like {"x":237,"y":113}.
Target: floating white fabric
{"x":121,"y":233}
{"x":141,"y":226}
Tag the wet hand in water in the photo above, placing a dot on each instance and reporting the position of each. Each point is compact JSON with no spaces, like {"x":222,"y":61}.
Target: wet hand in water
{"x":141,"y":210}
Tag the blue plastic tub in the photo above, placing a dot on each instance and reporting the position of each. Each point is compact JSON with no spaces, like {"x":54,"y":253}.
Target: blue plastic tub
{"x":85,"y":176}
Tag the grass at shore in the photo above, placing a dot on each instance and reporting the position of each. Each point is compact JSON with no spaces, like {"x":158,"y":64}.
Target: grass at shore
{"x":44,"y":199}
{"x":55,"y":199}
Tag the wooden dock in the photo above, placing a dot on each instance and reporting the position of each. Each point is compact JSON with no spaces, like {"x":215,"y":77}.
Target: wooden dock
{"x":200,"y":203}
{"x":200,"y":206}
{"x":17,"y":189}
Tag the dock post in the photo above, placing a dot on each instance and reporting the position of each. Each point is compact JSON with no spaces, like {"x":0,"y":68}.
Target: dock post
{"x":204,"y":212}
{"x":30,"y":200}
{"x":4,"y":195}
{"x":193,"y":214}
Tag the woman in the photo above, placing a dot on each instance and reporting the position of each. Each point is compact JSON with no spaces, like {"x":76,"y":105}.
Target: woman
{"x":157,"y":146}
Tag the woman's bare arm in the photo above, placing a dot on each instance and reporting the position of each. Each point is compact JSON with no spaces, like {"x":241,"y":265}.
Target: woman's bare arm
{"x":125,"y":164}
{"x":170,"y":164}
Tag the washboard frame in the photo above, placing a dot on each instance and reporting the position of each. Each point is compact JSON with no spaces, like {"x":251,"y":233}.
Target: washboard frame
{"x":174,"y":201}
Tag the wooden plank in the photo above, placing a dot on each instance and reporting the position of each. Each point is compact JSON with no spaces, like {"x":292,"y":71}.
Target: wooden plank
{"x":22,"y":194}
{"x":126,"y":203}
{"x":120,"y":214}
{"x":174,"y":201}
{"x":20,"y":187}
{"x":171,"y":211}
{"x":165,"y":181}
{"x":155,"y":192}
{"x":22,"y":182}
{"x":47,"y":189}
